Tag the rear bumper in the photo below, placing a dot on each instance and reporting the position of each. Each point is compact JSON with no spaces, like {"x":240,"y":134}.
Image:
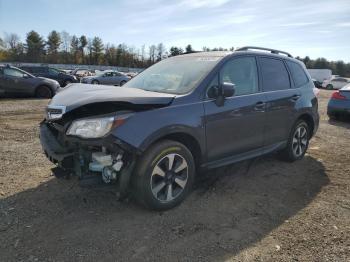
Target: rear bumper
{"x":341,"y":107}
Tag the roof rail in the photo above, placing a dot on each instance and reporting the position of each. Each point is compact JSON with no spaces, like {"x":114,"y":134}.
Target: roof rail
{"x":273,"y":51}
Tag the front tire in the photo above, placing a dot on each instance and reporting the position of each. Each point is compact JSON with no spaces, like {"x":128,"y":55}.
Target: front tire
{"x":329,"y":87}
{"x":122,"y":83}
{"x":164,"y":175}
{"x":43,"y":92}
{"x":95,"y":82}
{"x":298,"y":142}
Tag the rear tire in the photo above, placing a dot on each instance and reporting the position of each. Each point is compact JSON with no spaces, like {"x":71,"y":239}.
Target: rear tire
{"x":43,"y":92}
{"x":95,"y":82}
{"x":298,"y":142}
{"x":329,"y":87}
{"x":164,"y":175}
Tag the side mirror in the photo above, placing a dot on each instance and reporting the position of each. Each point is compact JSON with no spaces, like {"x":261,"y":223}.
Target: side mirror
{"x":219,"y":93}
{"x":228,"y":89}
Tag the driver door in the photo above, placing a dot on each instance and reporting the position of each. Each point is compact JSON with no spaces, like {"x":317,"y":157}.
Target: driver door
{"x":237,"y":127}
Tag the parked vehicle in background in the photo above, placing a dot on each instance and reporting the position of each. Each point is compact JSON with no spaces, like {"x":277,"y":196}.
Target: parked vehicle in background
{"x":339,"y":103}
{"x":52,"y":73}
{"x":80,"y":73}
{"x":317,"y":83}
{"x":16,"y":82}
{"x":185,"y":113}
{"x":320,"y":74}
{"x":131,"y":74}
{"x":335,"y":83}
{"x":108,"y":77}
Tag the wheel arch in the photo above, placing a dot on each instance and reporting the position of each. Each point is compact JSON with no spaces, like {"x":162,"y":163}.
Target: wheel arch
{"x":44,"y":85}
{"x":187,"y":140}
{"x":309,"y":121}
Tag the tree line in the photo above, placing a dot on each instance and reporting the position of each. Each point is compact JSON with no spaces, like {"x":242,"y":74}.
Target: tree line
{"x":63,"y":48}
{"x":338,"y":67}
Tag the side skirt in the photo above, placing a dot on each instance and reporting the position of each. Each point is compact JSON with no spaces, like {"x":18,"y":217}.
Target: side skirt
{"x":244,"y":156}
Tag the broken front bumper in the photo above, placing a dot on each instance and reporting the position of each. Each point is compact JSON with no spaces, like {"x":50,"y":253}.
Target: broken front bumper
{"x":108,"y":159}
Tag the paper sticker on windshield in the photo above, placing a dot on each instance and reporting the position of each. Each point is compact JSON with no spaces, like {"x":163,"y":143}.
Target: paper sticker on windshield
{"x":207,"y":58}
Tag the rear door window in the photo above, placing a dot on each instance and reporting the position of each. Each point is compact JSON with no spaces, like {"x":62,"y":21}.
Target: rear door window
{"x":242,"y":72}
{"x":274,"y":74}
{"x":298,"y":74}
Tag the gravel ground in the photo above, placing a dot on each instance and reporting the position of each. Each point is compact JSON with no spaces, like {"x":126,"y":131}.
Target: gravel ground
{"x":256,"y":210}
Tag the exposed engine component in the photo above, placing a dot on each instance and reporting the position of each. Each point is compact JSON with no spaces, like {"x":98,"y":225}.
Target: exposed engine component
{"x":108,"y":174}
{"x":107,"y":164}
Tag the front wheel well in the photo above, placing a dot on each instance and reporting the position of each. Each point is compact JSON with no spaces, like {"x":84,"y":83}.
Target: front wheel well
{"x":45,"y":86}
{"x":189,"y":141}
{"x":309,"y":121}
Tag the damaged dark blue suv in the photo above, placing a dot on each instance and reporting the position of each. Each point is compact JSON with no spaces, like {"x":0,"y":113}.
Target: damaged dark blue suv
{"x":183,"y":114}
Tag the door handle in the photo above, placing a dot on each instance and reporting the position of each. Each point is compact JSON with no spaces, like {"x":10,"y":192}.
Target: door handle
{"x":295,"y":98}
{"x":259,"y":106}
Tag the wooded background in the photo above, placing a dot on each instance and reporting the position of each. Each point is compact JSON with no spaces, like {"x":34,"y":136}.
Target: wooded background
{"x":63,"y":48}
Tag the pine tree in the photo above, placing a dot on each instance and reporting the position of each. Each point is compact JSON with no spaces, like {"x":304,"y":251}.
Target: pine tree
{"x":35,"y":47}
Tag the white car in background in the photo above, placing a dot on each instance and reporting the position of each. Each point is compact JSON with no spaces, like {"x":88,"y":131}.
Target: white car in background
{"x":108,"y":77}
{"x":335,"y":83}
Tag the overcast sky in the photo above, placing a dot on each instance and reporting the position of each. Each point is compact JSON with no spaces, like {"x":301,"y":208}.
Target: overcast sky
{"x":301,"y":27}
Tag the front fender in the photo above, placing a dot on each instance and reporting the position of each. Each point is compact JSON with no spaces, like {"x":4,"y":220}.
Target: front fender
{"x":171,"y":130}
{"x":145,"y":127}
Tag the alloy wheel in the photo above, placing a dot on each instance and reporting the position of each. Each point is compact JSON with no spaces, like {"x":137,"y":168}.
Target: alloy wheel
{"x":300,"y":139}
{"x":169,"y":177}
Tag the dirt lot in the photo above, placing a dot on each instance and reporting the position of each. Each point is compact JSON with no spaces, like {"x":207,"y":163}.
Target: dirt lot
{"x":257,"y":210}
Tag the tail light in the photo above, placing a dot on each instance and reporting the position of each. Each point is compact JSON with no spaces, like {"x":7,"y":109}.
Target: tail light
{"x":337,"y":95}
{"x":316,"y":91}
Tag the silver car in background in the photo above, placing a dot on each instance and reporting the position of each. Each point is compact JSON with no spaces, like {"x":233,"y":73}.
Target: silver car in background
{"x":107,"y":77}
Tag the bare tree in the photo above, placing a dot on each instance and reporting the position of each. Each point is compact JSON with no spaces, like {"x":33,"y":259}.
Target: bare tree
{"x":160,"y":51}
{"x":152,"y":53}
{"x":66,"y":40}
{"x":12,"y":40}
{"x":143,"y":53}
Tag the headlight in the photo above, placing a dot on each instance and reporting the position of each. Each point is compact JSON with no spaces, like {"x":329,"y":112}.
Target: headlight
{"x":91,"y":128}
{"x":95,"y":127}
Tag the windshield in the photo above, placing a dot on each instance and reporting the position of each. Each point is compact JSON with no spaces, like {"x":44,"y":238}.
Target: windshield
{"x":177,"y":75}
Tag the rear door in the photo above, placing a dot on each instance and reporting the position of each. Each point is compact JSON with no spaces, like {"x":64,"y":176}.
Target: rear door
{"x":237,"y":126}
{"x":107,"y":78}
{"x":280,"y":97}
{"x":118,"y":77}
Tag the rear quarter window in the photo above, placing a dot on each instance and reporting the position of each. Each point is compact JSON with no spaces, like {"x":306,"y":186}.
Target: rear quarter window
{"x":298,"y":74}
{"x":274,"y":74}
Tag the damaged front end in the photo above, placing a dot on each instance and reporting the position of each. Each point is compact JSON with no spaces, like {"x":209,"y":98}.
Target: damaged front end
{"x":94,"y":160}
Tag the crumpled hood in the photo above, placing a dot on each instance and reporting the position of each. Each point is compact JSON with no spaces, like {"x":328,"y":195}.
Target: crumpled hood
{"x":77,"y":95}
